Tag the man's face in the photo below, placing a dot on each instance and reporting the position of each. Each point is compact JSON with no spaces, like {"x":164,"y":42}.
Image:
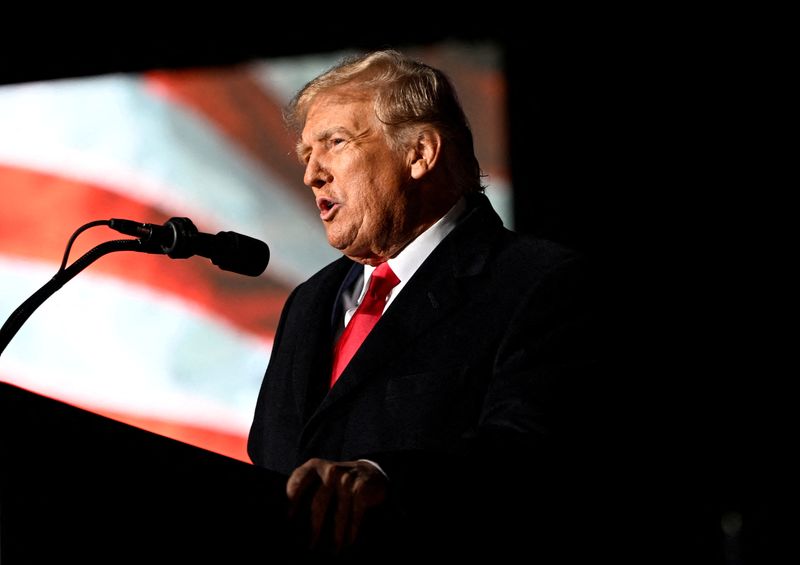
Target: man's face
{"x":362,"y":185}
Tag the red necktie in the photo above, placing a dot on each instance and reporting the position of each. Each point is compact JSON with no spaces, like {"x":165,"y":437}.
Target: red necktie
{"x":381,"y":283}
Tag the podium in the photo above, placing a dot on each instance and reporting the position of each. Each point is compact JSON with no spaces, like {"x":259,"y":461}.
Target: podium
{"x":77,"y":487}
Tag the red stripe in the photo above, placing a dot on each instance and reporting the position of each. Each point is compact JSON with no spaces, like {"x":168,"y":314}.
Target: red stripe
{"x":40,"y":211}
{"x":232,"y":445}
{"x":239,"y":107}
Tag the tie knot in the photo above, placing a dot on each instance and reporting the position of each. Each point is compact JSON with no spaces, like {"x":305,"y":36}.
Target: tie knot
{"x":383,"y":280}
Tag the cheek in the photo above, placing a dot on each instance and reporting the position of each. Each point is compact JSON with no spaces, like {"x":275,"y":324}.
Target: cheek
{"x":379,"y":200}
{"x":373,"y":188}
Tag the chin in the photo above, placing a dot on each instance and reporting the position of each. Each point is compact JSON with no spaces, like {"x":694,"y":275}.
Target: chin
{"x":335,"y":240}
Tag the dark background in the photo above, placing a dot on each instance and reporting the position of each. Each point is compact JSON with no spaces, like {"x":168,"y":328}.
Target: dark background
{"x":614,"y":144}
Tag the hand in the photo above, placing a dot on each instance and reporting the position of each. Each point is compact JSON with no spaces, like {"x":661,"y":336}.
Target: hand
{"x":337,"y":492}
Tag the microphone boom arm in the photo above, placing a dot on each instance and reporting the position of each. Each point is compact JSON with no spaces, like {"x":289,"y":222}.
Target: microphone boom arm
{"x":24,"y":311}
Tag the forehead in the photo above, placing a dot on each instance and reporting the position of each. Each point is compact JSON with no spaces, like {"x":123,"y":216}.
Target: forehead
{"x":338,"y":109}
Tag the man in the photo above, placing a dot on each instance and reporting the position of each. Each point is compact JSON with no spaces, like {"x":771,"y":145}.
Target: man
{"x":452,"y":411}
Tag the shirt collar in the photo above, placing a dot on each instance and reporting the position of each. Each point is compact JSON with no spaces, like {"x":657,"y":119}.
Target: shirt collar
{"x":406,"y":263}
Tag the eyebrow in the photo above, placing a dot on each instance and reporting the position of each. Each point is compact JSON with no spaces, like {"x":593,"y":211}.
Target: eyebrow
{"x":302,"y":149}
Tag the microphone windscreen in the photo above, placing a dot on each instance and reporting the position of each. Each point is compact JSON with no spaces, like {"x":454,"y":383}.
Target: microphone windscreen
{"x":240,"y":254}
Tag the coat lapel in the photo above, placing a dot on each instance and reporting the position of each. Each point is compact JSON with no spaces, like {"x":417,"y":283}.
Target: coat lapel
{"x":313,"y":354}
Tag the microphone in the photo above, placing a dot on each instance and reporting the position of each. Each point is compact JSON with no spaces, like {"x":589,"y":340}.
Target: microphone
{"x":178,"y":238}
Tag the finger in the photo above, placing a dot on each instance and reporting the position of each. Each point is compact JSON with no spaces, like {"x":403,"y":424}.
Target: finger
{"x":301,"y":481}
{"x":325,"y":498}
{"x":319,"y":510}
{"x":301,"y":477}
{"x":344,"y":504}
{"x":359,"y":507}
{"x":368,"y":491}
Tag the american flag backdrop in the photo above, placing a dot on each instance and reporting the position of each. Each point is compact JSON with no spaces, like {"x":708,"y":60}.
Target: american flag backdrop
{"x":177,"y":347}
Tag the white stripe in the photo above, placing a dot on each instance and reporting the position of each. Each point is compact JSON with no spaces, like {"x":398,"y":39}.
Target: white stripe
{"x":112,"y":131}
{"x":124,"y":347}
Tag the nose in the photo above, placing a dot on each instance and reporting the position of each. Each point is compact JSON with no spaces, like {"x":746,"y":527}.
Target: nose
{"x":316,"y":176}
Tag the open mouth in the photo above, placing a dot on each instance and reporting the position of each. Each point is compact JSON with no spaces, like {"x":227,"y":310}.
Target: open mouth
{"x":327,"y":207}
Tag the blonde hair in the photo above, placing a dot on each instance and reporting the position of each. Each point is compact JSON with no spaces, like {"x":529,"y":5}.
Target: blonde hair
{"x":406,"y":93}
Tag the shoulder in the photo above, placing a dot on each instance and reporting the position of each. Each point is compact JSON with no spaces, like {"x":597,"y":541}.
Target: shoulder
{"x":528,"y":259}
{"x":538,"y":253}
{"x":482,"y":249}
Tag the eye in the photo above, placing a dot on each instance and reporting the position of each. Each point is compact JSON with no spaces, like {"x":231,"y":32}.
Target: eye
{"x":337,"y":141}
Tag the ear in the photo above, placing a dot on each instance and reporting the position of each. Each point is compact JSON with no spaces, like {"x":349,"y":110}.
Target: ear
{"x":425,"y":154}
